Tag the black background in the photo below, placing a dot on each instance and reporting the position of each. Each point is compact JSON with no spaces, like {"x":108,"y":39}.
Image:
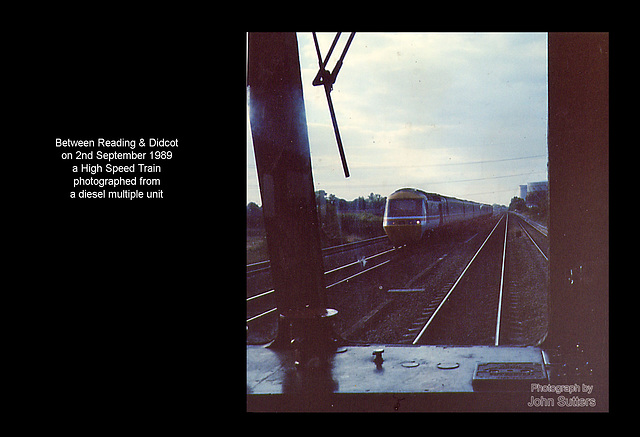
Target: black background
{"x":124,"y":286}
{"x":124,"y":292}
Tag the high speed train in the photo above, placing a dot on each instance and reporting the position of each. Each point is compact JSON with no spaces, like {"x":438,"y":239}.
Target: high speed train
{"x":410,"y":212}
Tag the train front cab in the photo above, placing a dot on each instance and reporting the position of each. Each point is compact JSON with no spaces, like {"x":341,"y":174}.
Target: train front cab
{"x":405,"y":217}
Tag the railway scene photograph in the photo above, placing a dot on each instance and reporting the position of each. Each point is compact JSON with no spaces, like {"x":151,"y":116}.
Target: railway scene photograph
{"x":398,"y":225}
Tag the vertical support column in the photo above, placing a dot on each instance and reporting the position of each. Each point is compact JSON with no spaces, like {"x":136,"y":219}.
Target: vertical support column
{"x":281,"y":147}
{"x":579,"y":200}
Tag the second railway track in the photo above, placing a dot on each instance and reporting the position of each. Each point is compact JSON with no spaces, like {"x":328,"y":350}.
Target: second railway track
{"x":343,"y":263}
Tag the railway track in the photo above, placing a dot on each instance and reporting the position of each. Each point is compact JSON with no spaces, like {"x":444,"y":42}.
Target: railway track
{"x":489,"y":300}
{"x":441,"y":297}
{"x":476,"y":285}
{"x":263,"y":266}
{"x":341,"y":270}
{"x":537,"y":233}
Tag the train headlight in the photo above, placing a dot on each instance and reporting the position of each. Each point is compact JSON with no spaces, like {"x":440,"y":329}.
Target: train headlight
{"x":417,"y":222}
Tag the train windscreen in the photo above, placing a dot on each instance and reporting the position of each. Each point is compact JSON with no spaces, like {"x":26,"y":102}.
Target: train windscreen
{"x":429,"y":122}
{"x":404,"y":207}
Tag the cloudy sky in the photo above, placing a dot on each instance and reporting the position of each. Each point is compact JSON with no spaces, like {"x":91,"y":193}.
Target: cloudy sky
{"x":462,"y":115}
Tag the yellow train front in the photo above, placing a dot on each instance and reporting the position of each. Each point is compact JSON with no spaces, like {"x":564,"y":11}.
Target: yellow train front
{"x":405,"y":216}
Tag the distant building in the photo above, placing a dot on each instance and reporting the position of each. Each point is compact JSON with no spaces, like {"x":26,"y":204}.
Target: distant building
{"x":523,"y":192}
{"x":535,"y":188}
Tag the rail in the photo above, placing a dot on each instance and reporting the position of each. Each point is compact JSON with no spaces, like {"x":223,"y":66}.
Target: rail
{"x":532,"y":240}
{"x":504,"y":257}
{"x":498,"y":275}
{"x":537,"y":226}
{"x":441,"y":304}
{"x":261,"y":266}
{"x":361,"y":262}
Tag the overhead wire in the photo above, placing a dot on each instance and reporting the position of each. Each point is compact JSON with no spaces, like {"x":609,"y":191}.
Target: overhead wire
{"x":444,"y":164}
{"x":428,"y":183}
{"x":374,"y":166}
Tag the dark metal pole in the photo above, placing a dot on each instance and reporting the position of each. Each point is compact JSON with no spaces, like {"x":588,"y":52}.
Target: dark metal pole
{"x":281,"y":147}
{"x":327,"y":79}
{"x":327,"y":91}
{"x":579,"y":202}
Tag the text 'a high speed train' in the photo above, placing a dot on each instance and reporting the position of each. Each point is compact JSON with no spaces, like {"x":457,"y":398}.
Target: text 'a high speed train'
{"x":410,"y":212}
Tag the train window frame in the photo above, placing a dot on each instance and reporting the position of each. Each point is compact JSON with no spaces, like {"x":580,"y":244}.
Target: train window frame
{"x":569,"y":307}
{"x":455,"y":204}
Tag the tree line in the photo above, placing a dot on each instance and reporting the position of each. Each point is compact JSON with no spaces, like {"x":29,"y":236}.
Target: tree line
{"x":341,"y":220}
{"x":536,"y":204}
